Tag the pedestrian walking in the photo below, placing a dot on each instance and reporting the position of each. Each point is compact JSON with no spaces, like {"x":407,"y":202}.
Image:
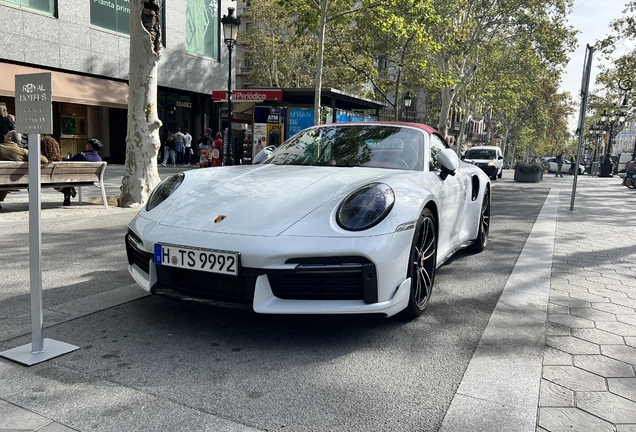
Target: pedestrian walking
{"x":559,"y":161}
{"x":179,"y":146}
{"x":168,"y":150}
{"x":188,"y":146}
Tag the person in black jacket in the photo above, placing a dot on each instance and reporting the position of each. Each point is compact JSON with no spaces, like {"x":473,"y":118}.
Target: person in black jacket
{"x":7,"y":122}
{"x":559,"y":161}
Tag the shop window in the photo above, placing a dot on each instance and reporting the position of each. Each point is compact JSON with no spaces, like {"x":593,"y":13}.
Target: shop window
{"x":73,"y":120}
{"x":202,"y":28}
{"x":114,"y":15}
{"x":44,"y":6}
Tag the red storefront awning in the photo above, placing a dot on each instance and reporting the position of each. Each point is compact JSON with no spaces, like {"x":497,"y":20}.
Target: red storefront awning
{"x":248,"y":95}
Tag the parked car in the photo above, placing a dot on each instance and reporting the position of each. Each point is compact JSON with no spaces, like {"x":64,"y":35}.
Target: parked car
{"x":488,"y":158}
{"x":622,"y":160}
{"x":565,"y":168}
{"x":346,"y":218}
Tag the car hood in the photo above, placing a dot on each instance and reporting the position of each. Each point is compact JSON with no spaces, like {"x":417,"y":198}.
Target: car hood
{"x":261,"y":200}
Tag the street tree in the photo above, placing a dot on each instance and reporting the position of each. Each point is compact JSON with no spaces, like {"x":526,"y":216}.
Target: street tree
{"x":278,"y":56}
{"x":467,"y":25}
{"x":142,"y":137}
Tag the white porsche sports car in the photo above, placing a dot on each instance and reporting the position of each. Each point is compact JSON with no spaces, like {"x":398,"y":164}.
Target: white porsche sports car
{"x":347,"y":218}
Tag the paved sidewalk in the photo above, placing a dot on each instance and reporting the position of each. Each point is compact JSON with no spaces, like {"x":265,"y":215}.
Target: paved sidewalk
{"x":589,"y":381}
{"x":585,"y":379}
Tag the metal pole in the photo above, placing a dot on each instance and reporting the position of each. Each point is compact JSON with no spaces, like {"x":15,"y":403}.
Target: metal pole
{"x":229,"y":160}
{"x":585,"y":86}
{"x":35,"y":246}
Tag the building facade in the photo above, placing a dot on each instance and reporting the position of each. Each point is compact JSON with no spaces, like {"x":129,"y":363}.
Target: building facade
{"x":85,"y":46}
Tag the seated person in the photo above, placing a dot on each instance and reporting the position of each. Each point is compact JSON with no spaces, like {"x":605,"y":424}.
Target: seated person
{"x":11,"y":151}
{"x":93,"y":146}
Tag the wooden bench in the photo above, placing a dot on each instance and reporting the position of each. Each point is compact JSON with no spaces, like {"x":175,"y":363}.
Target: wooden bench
{"x":15,"y":175}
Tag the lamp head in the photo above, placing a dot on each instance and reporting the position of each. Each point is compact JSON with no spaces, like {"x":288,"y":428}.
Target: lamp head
{"x":408,"y":99}
{"x":230,"y":27}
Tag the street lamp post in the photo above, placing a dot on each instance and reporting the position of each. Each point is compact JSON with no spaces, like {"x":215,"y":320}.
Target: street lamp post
{"x":611,"y":122}
{"x":408,"y":99}
{"x":230,"y":30}
{"x":596,"y":132}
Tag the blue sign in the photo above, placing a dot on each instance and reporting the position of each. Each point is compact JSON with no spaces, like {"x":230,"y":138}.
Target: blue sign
{"x":343,"y":117}
{"x":300,"y":119}
{"x":356,"y":118}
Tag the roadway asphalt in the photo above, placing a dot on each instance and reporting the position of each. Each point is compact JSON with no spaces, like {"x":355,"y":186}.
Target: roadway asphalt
{"x":558,"y":353}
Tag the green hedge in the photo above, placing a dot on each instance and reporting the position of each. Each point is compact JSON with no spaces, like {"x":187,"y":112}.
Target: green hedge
{"x":529,"y":168}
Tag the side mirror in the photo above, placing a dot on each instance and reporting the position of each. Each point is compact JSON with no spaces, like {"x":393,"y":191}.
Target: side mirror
{"x":448,"y":162}
{"x":500,"y":158}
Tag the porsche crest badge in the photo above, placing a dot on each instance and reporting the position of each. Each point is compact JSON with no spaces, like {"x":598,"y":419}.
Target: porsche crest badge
{"x":219,"y":218}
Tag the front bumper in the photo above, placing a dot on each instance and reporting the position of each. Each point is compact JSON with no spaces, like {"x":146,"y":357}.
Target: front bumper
{"x":490,"y":170}
{"x":305,"y":275}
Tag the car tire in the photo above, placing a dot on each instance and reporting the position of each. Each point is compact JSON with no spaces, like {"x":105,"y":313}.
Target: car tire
{"x":479,"y":244}
{"x":422,"y":264}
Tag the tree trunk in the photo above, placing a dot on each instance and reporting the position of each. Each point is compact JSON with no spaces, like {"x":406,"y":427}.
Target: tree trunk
{"x":447,"y":100}
{"x":142,"y":138}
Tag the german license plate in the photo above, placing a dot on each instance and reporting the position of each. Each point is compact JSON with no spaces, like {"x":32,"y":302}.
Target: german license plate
{"x":207,"y":260}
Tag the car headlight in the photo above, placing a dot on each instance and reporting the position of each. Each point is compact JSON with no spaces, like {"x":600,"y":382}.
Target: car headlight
{"x":491,"y":164}
{"x":366,"y":207}
{"x":164,"y":190}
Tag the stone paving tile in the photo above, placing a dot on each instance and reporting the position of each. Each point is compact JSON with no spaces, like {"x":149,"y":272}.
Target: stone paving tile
{"x":554,"y":329}
{"x":610,"y":275}
{"x":613,"y":308}
{"x":597,"y":336}
{"x":630,"y":340}
{"x":556,"y":309}
{"x":618,"y":328}
{"x":565,"y":289}
{"x":604,"y":366}
{"x":555,"y":357}
{"x":627,"y":319}
{"x":571,"y":321}
{"x":586,"y":296}
{"x":593,"y":314}
{"x":574,"y":378}
{"x":607,"y":406}
{"x":553,"y":395}
{"x":625,"y":387}
{"x":626,"y":428}
{"x":15,"y":418}
{"x":606,"y":292}
{"x":572,"y":345}
{"x":566,"y":301}
{"x":623,"y":353}
{"x":629,"y":302}
{"x":571,"y":419}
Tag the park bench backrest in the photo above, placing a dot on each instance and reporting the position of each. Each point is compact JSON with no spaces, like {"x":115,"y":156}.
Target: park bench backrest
{"x":55,"y":173}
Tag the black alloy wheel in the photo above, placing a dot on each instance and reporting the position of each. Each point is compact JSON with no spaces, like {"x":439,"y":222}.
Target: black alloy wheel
{"x":479,"y":244}
{"x":422,"y":264}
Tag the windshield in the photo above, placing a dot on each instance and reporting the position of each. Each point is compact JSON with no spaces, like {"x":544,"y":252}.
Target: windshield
{"x":372,"y":145}
{"x":481,"y":154}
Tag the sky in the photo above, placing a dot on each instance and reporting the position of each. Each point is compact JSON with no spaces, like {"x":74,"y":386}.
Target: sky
{"x":591,"y":18}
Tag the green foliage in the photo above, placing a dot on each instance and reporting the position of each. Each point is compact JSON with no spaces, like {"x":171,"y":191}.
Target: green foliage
{"x":529,"y":168}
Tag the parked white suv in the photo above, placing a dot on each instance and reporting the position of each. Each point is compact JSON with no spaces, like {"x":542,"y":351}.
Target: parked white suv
{"x":488,"y":158}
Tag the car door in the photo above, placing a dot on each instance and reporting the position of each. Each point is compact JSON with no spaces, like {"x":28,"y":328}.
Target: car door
{"x":451,"y":193}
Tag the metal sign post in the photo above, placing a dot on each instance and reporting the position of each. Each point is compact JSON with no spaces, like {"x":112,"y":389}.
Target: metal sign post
{"x":585,"y":87}
{"x":34,"y":116}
